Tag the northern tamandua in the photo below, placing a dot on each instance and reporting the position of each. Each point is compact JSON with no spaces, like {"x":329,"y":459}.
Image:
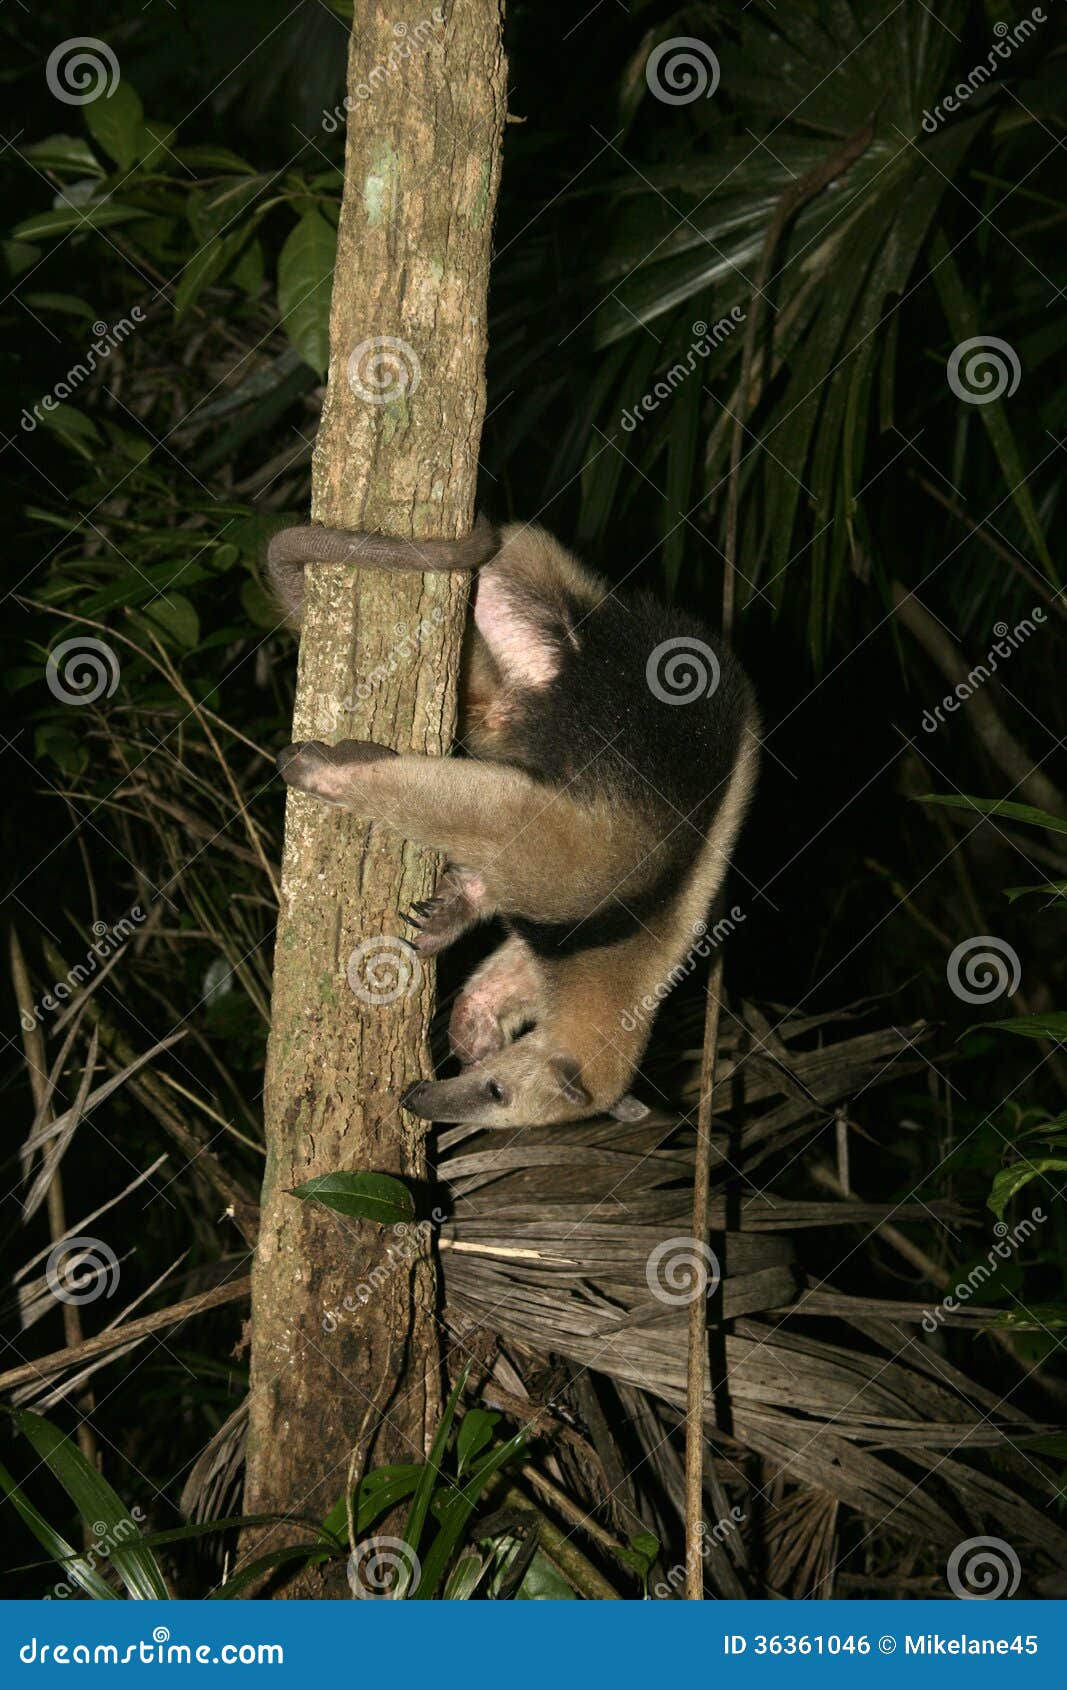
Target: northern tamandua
{"x":595,"y":815}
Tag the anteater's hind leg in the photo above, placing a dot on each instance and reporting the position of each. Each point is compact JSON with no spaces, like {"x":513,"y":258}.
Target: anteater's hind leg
{"x":526,"y":848}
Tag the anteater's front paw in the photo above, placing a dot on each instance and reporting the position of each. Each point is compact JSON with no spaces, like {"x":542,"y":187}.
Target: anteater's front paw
{"x":329,"y":772}
{"x":439,"y":920}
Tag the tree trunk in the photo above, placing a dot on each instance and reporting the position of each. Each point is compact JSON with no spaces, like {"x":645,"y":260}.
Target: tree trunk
{"x":396,"y":452}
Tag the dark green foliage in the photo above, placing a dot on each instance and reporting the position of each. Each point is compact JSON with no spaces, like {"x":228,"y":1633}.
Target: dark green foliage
{"x":194,"y":216}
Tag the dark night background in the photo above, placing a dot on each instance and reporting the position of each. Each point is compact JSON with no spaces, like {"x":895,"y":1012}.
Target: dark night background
{"x":622,"y":221}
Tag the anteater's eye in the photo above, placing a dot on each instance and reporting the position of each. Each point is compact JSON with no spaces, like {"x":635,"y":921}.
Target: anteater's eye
{"x":495,"y":1092}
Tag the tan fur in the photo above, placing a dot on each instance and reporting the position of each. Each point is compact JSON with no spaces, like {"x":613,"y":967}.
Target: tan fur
{"x":536,"y":849}
{"x":522,"y":847}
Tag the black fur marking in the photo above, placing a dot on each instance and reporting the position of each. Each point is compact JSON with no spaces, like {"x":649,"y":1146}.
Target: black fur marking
{"x":601,"y":732}
{"x":609,"y":925}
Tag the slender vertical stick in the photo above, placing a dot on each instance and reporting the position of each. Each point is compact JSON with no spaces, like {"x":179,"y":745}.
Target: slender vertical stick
{"x":795,"y":197}
{"x":697,"y":1360}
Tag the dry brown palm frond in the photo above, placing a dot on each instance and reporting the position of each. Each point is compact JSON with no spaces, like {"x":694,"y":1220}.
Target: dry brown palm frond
{"x":551,"y":1244}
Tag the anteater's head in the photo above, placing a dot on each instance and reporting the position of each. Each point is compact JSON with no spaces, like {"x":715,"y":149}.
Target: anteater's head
{"x":527,"y":1084}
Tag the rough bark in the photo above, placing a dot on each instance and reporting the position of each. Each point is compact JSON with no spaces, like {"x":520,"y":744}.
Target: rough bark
{"x":378,"y":660}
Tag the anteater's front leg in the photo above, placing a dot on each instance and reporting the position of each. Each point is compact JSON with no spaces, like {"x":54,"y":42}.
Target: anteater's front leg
{"x":524,"y":848}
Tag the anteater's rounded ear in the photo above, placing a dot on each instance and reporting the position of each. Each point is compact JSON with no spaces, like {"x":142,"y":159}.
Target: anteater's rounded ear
{"x":628,"y":1108}
{"x":567,"y":1075}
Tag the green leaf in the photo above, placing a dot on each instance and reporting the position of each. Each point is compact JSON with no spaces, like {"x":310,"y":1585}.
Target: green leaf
{"x":456,"y":1511}
{"x":64,"y":152}
{"x":260,"y":608}
{"x":543,"y":1582}
{"x":249,"y":270}
{"x":206,"y":264}
{"x":475,"y":1432}
{"x":207,"y":1528}
{"x":465,"y":1577}
{"x":1034,"y":1317}
{"x":20,"y":256}
{"x":101,"y":214}
{"x":1049,"y":1443}
{"x":378,"y":1493}
{"x":213,"y":158}
{"x":1051,"y":1024}
{"x":154,"y":145}
{"x":215,"y":210}
{"x":74,"y":1566}
{"x":98,"y":1505}
{"x":52,"y":739}
{"x":965,"y":324}
{"x":73,"y":427}
{"x":372,"y":1197}
{"x":642,"y":1552}
{"x":1004,"y":807}
{"x":66,"y":302}
{"x":420,"y":1503}
{"x":266,"y":1564}
{"x":1011,"y":1180}
{"x":175,"y":617}
{"x":1053,"y":888}
{"x":117,"y":122}
{"x":305,"y":267}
